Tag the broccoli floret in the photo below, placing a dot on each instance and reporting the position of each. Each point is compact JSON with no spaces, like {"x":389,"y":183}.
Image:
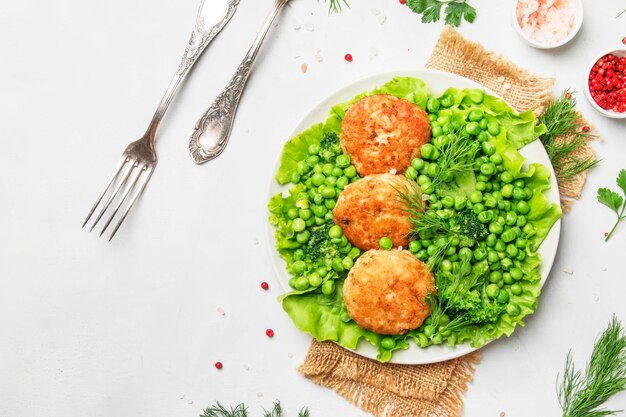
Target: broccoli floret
{"x":472,"y":309}
{"x":469,"y":228}
{"x":329,"y":146}
{"x":319,"y":246}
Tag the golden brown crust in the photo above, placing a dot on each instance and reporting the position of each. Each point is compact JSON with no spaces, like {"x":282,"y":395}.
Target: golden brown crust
{"x":385,"y":291}
{"x":370,"y":208}
{"x":381,"y":133}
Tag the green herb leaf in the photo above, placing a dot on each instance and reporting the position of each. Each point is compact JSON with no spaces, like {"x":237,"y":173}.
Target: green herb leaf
{"x":610,"y":199}
{"x":218,"y":410}
{"x":621,"y":180}
{"x":582,"y":394}
{"x":457,"y":11}
{"x":336,"y":6}
{"x":563,"y":137}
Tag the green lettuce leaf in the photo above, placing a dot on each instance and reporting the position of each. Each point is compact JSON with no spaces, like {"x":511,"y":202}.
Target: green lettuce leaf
{"x":296,"y":150}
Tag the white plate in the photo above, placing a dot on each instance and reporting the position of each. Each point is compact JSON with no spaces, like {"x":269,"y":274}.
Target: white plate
{"x":438,"y":82}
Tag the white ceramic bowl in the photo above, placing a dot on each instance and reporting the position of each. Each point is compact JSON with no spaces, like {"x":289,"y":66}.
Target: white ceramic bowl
{"x":607,"y":113}
{"x":578,"y":4}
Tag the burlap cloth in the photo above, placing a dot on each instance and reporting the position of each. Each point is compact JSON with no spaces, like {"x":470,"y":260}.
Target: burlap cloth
{"x":434,"y":390}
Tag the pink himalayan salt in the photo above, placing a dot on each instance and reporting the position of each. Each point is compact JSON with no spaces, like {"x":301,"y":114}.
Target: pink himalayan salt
{"x":546,"y":21}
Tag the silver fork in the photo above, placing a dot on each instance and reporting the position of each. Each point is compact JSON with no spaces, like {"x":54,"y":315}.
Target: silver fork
{"x":138,"y":161}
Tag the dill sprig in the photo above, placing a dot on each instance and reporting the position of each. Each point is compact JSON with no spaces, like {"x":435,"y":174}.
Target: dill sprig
{"x":218,"y":410}
{"x":582,"y":394}
{"x":457,"y":156}
{"x":426,"y":225}
{"x":564,"y":137}
{"x":336,"y":6}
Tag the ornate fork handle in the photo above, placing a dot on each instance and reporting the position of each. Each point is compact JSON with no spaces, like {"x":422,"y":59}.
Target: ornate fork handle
{"x":200,"y":38}
{"x":217,"y":120}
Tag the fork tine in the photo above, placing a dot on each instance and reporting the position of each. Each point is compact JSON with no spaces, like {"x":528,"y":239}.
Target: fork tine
{"x":118,"y":168}
{"x":131,"y":165}
{"x":129,"y":187}
{"x":136,"y":195}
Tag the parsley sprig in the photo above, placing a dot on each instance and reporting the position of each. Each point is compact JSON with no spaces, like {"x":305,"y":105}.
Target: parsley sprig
{"x":614,"y":201}
{"x":582,"y":394}
{"x":455,"y":11}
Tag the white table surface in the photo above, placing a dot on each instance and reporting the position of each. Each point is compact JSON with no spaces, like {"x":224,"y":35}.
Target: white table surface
{"x":131,"y":328}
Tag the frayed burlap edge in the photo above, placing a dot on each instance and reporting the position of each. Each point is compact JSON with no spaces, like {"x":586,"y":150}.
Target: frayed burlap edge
{"x":391,"y":390}
{"x":520,"y":88}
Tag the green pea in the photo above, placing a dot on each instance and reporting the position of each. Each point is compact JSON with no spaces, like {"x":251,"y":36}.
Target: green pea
{"x":342,"y":161}
{"x":298,"y":255}
{"x":295,"y":177}
{"x":516,"y":273}
{"x":520,"y":183}
{"x":519,"y":194}
{"x":330,"y":180}
{"x":491,"y":201}
{"x":495,"y":277}
{"x":345,"y":317}
{"x":429,"y":331}
{"x":529,"y":193}
{"x":511,"y":250}
{"x":432,"y":117}
{"x":336,"y":265}
{"x":298,"y":267}
{"x":488,"y":148}
{"x":318,"y":179}
{"x":315,"y":280}
{"x":476,"y":95}
{"x":492,"y":257}
{"x":465,"y":254}
{"x":312,"y":160}
{"x":521,"y":243}
{"x":496,"y":228}
{"x":436,"y":130}
{"x":336,"y":172}
{"x":335,"y":232}
{"x":516,"y":289}
{"x":422,"y":255}
{"x":491,"y":240}
{"x":388,"y":343}
{"x":488,"y":169}
{"x":385,"y":243}
{"x":305,"y":214}
{"x":415,"y":246}
{"x":302,"y":283}
{"x":503,"y":297}
{"x":482,"y":136}
{"x":447,"y":100}
{"x":342,"y":182}
{"x":302,"y":167}
{"x":292,"y":282}
{"x":298,"y":225}
{"x":507,"y":190}
{"x":446,"y":265}
{"x":330,"y":204}
{"x":410,"y":173}
{"x":475,"y":115}
{"x":354,"y":253}
{"x":437,"y":339}
{"x":510,"y":218}
{"x":483,"y":124}
{"x":292,"y":213}
{"x":508,"y":236}
{"x":506,"y":263}
{"x":513,"y":309}
{"x":522,"y":207}
{"x":328,"y":287}
{"x":433,"y":169}
{"x":496,"y":158}
{"x":506,"y":177}
{"x":313,"y":149}
{"x":485,"y":216}
{"x":433,"y":105}
{"x":303,"y":237}
{"x":350,"y":172}
{"x":500,"y":245}
{"x":460,"y":203}
{"x":427,"y":151}
{"x":492,"y":291}
{"x":432,"y":250}
{"x":472,"y":128}
{"x":447,"y":202}
{"x":493,"y":128}
{"x":480,"y":186}
{"x":347,"y":263}
{"x":480,"y":253}
{"x":418,"y":163}
{"x":476,"y":197}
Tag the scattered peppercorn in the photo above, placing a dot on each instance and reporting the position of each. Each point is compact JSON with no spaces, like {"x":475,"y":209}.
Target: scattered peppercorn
{"x":348,"y":57}
{"x":269,"y":333}
{"x":586,"y":129}
{"x":218,"y":365}
{"x":265,"y":285}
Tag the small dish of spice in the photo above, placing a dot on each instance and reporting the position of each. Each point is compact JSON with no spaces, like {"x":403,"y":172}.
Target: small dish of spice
{"x":606,"y":84}
{"x":547,"y":24}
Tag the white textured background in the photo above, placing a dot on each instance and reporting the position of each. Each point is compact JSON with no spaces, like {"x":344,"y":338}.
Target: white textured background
{"x":89,"y":328}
